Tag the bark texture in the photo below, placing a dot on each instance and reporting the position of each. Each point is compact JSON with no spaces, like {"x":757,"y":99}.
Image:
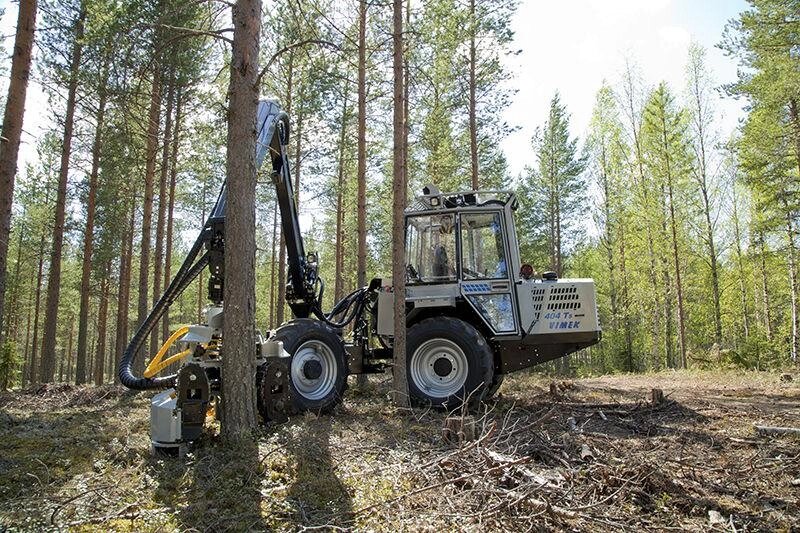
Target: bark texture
{"x":361,"y":214}
{"x":147,"y":209}
{"x":48,"y":364}
{"x":158,"y":263}
{"x":400,"y":379}
{"x":12,"y":130}
{"x":238,"y":363}
{"x":88,"y":239}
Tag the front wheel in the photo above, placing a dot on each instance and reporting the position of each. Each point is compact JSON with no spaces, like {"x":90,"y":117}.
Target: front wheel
{"x":448,"y":362}
{"x":318,"y":368}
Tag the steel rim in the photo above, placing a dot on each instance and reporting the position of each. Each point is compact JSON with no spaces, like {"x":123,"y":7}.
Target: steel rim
{"x":425,"y":377}
{"x":319,"y":388}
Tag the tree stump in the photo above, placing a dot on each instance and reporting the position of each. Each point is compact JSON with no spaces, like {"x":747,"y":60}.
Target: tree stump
{"x":656,"y":396}
{"x":458,"y":429}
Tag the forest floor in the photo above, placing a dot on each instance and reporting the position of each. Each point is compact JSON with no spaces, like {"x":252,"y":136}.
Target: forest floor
{"x":586,"y":454}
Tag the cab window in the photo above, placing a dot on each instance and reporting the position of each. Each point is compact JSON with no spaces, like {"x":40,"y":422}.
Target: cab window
{"x":431,"y":249}
{"x":483,"y":253}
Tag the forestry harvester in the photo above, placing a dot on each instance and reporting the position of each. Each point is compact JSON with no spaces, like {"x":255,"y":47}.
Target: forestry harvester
{"x":474,"y":312}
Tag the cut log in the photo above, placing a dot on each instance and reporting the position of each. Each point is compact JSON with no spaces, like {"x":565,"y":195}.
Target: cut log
{"x":458,"y":429}
{"x":656,"y":396}
{"x":774,"y":430}
{"x":586,"y":453}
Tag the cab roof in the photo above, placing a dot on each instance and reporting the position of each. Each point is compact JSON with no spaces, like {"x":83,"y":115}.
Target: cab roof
{"x":432,"y":199}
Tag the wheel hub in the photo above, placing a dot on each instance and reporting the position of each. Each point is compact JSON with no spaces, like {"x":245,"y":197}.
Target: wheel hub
{"x":312,"y":369}
{"x":439,"y":368}
{"x":442,"y":366}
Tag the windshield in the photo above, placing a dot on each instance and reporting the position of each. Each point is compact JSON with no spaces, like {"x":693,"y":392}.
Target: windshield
{"x":482,"y":248}
{"x":431,"y":249}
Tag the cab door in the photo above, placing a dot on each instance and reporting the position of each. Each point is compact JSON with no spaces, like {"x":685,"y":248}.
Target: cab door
{"x":485,"y":277}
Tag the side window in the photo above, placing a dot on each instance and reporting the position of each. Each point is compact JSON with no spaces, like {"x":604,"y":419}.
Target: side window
{"x":483,"y":253}
{"x":431,"y":249}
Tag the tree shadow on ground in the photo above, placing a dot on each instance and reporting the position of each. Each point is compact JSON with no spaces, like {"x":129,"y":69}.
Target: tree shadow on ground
{"x":316,"y":493}
{"x":215,"y":487}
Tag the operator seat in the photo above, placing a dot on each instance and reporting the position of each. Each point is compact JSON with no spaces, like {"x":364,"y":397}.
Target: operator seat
{"x":441,"y":263}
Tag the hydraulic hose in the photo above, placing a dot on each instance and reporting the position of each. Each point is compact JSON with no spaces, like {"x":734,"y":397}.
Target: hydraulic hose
{"x":179,"y":284}
{"x":354,"y":300}
{"x":188,"y":271}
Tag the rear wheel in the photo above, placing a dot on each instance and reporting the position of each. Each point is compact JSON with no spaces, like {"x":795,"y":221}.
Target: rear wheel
{"x":448,"y":363}
{"x":318,"y":368}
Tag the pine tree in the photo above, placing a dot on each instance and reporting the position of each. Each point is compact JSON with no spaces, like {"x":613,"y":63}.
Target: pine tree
{"x":12,"y":130}
{"x":553,"y":192}
{"x":667,"y":158}
{"x":238,"y":367}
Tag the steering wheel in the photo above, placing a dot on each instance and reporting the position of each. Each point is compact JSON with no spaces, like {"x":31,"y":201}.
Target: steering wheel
{"x":411,"y":273}
{"x":471,"y":273}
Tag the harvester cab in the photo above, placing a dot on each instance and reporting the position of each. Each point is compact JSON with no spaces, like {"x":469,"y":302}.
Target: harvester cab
{"x":474,"y":312}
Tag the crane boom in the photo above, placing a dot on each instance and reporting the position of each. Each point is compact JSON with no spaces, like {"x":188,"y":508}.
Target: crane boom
{"x":301,"y":294}
{"x":271,"y":140}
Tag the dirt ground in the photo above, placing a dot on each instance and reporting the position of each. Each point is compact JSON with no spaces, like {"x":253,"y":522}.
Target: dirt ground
{"x":582,"y":455}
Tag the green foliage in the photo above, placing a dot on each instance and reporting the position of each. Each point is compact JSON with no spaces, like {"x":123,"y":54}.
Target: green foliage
{"x":10,"y":362}
{"x":601,"y":206}
{"x":553,"y":194}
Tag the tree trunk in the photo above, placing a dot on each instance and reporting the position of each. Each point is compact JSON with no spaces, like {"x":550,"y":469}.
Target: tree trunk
{"x":48,"y":363}
{"x":400,"y":379}
{"x":625,"y":299}
{"x":765,"y":298}
{"x":737,"y":236}
{"x":339,"y":281}
{"x":102,"y":320}
{"x":14,"y":306}
{"x":173,"y":177}
{"x":26,"y":367}
{"x":33,"y":376}
{"x":793,"y":345}
{"x":700,"y":117}
{"x":361,"y":213}
{"x":473,"y":122}
{"x":714,"y":265}
{"x":642,"y":188}
{"x":676,"y":257}
{"x":124,"y":290}
{"x":68,"y":351}
{"x":272,"y":291}
{"x":608,"y":239}
{"x":147,"y":210}
{"x":88,"y":238}
{"x":12,"y":130}
{"x":158,"y":262}
{"x":552,"y":215}
{"x":238,"y":363}
{"x":298,"y":148}
{"x":200,"y":287}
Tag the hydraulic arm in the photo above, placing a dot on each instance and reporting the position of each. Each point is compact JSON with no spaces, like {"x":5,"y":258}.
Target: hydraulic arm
{"x":304,"y":289}
{"x":301,"y":294}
